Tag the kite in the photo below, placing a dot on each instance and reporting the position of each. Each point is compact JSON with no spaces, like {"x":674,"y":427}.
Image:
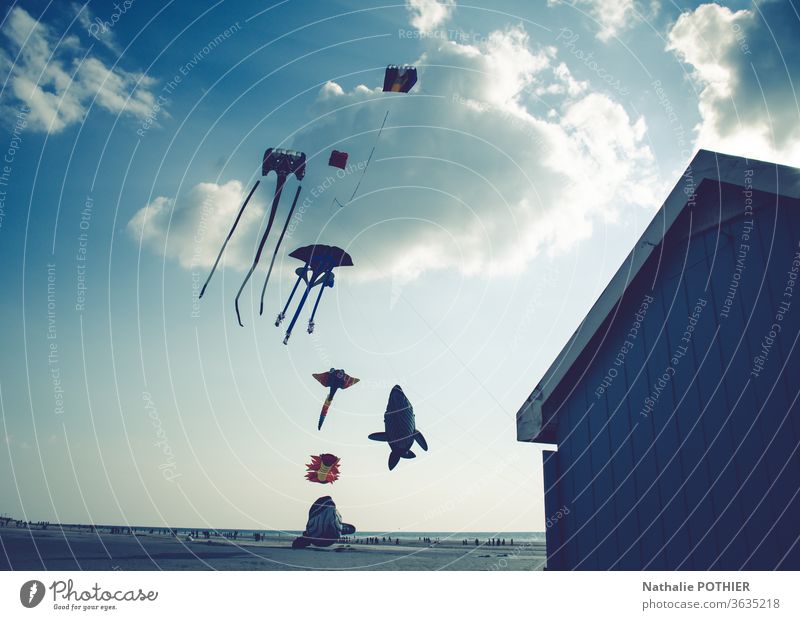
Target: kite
{"x":284,"y":163}
{"x":324,"y":526}
{"x":319,"y":262}
{"x":397,"y":79}
{"x":338,"y":159}
{"x":401,"y":431}
{"x":333,"y":380}
{"x":323,"y":469}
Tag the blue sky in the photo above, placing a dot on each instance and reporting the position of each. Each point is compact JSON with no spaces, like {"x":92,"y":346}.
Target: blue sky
{"x":504,"y":192}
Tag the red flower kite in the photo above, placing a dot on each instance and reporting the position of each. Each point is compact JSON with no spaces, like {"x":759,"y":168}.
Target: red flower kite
{"x":323,"y":469}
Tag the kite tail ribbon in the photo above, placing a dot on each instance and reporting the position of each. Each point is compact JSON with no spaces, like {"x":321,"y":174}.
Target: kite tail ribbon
{"x":277,"y":247}
{"x":325,"y":406}
{"x":275,"y":200}
{"x":228,"y":238}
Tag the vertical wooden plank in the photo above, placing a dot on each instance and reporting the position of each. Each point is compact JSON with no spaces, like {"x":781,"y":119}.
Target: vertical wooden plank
{"x":552,"y":502}
{"x":724,"y":474}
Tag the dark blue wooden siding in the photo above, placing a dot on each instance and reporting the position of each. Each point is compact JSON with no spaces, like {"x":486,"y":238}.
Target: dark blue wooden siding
{"x":710,"y":477}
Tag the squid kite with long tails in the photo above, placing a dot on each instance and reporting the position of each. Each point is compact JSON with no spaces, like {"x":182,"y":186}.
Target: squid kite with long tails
{"x":323,"y":469}
{"x":319,"y":261}
{"x":333,"y":380}
{"x":285,"y":163}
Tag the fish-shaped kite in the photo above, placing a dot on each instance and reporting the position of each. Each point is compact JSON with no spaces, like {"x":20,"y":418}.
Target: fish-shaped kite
{"x":333,"y":380}
{"x":323,"y":468}
{"x":401,"y":431}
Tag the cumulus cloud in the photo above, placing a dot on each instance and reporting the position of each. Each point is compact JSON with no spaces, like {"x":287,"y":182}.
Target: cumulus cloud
{"x":429,"y":14}
{"x":488,"y":182}
{"x":474,"y":170}
{"x":191,"y":228}
{"x":746,"y":65}
{"x":58,"y":82}
{"x":612,"y":16}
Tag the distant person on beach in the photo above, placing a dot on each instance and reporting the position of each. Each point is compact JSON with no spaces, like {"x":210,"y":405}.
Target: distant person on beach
{"x":324,"y":526}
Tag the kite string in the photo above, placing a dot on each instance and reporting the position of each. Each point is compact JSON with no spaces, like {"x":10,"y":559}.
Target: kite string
{"x":371,"y":153}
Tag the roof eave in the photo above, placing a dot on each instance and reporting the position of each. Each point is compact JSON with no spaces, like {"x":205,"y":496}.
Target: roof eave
{"x":705,"y":165}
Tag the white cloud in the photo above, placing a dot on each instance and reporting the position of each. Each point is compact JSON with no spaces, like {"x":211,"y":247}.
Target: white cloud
{"x":612,"y":16}
{"x":465,"y":175}
{"x":704,"y":38}
{"x":49,"y":77}
{"x":191,"y":228}
{"x":745,"y":64}
{"x":429,"y":14}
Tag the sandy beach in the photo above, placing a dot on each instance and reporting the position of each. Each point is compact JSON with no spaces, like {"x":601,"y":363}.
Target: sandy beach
{"x":73,"y":549}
